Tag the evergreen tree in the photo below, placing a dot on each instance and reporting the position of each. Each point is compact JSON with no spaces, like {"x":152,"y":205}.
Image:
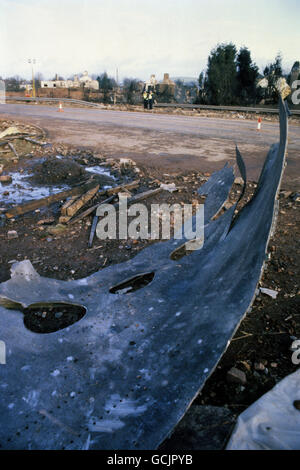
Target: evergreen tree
{"x":12,"y":83}
{"x":106,"y":85}
{"x":247,"y":74}
{"x":221,"y":79}
{"x":272,"y":73}
{"x":200,"y":99}
{"x":130,"y":86}
{"x":165,"y":94}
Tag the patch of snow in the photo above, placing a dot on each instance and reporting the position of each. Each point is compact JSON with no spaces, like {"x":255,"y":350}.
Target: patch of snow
{"x":22,"y":190}
{"x":99,"y":170}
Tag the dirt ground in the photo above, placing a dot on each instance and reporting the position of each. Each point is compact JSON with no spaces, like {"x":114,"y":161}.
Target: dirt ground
{"x":166,"y":142}
{"x":261,"y":345}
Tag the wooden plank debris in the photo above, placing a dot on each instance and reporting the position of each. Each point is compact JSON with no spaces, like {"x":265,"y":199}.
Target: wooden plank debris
{"x":116,"y":189}
{"x":35,"y":142}
{"x":90,"y":210}
{"x":133,"y":199}
{"x":67,"y":204}
{"x":81,"y":201}
{"x":12,"y":148}
{"x":109,"y":192}
{"x":45,"y":201}
{"x":63,"y":219}
{"x":144,"y":195}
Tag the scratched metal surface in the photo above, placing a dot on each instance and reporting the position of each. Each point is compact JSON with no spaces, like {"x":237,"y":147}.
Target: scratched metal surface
{"x":124,"y":375}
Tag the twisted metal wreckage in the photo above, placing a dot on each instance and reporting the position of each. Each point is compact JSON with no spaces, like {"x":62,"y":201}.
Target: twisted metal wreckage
{"x":124,"y":375}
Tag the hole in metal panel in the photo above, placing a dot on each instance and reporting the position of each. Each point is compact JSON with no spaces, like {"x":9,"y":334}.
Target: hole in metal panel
{"x":133,"y":284}
{"x":187,"y":248}
{"x":49,"y":317}
{"x":297,"y":404}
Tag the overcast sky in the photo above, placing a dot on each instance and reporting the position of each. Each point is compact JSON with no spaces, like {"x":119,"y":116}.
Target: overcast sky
{"x":141,"y":37}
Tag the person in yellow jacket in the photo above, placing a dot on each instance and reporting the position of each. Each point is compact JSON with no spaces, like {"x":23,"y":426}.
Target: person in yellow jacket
{"x":145,"y":98}
{"x":150,"y":100}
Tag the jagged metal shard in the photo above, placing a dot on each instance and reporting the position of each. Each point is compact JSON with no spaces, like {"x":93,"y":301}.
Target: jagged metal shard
{"x":273,"y":421}
{"x":124,"y":375}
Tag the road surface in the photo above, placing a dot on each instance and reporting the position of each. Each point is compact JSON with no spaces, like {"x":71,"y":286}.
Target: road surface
{"x":163,"y":142}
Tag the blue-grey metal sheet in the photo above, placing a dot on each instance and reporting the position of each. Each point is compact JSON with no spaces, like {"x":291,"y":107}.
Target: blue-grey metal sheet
{"x":124,"y":375}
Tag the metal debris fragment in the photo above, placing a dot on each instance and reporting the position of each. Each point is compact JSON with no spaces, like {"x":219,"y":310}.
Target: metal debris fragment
{"x":140,"y":361}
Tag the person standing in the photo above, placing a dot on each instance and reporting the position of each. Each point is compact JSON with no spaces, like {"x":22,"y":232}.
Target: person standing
{"x":150,"y":100}
{"x":145,"y":98}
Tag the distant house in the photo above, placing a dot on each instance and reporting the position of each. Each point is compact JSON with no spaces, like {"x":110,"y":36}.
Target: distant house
{"x":150,"y":84}
{"x":84,"y":80}
{"x":167,"y":84}
{"x":88,"y":82}
{"x":153,"y":85}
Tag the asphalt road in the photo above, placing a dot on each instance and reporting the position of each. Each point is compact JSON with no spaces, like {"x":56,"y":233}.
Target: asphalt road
{"x":165,"y":142}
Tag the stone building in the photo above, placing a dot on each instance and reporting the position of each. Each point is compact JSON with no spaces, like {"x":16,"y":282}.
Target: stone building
{"x":88,"y":82}
{"x":84,"y":80}
{"x":167,"y":84}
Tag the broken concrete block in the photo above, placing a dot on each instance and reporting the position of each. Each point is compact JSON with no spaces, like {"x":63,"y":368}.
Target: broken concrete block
{"x":12,"y":234}
{"x":239,"y":181}
{"x":237,"y":376}
{"x":127,"y":162}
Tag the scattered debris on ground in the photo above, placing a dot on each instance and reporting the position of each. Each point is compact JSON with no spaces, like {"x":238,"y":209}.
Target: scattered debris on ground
{"x":50,"y":220}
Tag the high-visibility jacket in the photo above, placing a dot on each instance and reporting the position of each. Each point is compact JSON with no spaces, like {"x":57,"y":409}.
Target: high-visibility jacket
{"x":145,"y":95}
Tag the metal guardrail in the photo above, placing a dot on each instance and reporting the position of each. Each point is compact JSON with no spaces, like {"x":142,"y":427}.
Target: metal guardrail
{"x":242,"y":109}
{"x":223,"y":108}
{"x":64,"y":100}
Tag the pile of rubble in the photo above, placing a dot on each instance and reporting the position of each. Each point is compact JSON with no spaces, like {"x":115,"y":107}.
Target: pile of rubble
{"x":73,"y":182}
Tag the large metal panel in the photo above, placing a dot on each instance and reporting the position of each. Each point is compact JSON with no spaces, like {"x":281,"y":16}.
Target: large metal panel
{"x":124,"y":375}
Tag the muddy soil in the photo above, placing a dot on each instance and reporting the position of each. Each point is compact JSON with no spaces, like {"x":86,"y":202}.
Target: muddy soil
{"x":261,"y":345}
{"x":54,"y":170}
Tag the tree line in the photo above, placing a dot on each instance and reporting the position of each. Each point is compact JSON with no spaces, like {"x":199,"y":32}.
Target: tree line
{"x":231,"y":78}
